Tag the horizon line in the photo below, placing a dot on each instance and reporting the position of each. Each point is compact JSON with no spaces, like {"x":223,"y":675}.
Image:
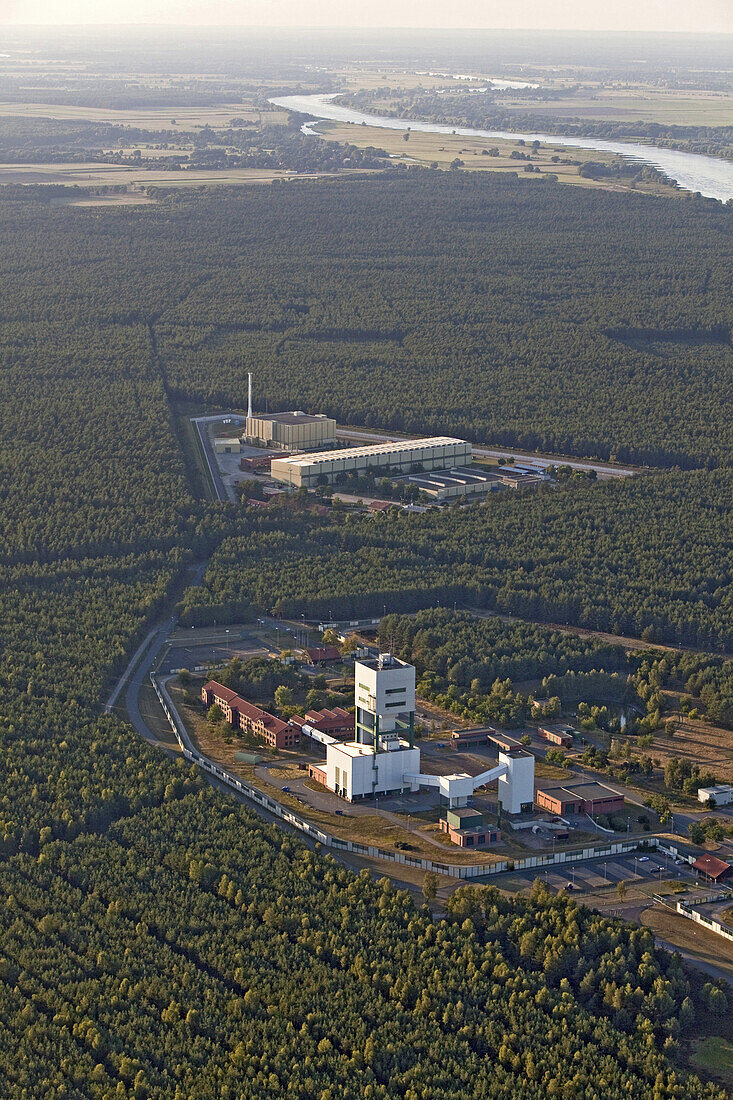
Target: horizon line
{"x":300,"y":28}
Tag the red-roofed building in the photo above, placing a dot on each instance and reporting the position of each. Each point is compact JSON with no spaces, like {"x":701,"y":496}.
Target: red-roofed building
{"x":711,"y":867}
{"x":337,"y":722}
{"x":213,"y":693}
{"x":249,"y":718}
{"x":321,"y":655}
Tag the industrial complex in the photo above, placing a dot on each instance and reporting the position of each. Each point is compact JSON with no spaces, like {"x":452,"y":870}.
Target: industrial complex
{"x":383,"y":759}
{"x":303,"y":450}
{"x":402,"y":457}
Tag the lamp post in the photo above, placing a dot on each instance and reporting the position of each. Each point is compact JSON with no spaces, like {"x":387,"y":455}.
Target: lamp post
{"x":228,"y":650}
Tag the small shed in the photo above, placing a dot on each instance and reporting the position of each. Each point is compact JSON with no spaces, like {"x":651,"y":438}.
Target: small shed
{"x":710,"y":867}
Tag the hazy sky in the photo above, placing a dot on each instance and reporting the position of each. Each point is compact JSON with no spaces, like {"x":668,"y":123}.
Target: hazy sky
{"x":703,"y":16}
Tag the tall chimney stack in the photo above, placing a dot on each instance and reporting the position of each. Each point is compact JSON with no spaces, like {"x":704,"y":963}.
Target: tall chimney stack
{"x":249,"y":402}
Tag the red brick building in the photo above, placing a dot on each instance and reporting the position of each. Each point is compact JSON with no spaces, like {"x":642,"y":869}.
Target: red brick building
{"x":249,"y":718}
{"x":480,"y":735}
{"x":556,"y":735}
{"x":337,"y":722}
{"x":585,"y":798}
{"x":467,"y":828}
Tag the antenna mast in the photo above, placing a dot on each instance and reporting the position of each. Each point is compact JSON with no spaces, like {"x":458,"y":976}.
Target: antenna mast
{"x":249,"y":402}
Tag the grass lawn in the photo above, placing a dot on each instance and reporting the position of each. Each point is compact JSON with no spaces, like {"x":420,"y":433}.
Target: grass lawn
{"x":548,"y":773}
{"x":714,"y":1055}
{"x":701,"y":943}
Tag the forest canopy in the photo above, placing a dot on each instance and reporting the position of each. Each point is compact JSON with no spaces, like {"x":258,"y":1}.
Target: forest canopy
{"x":157,"y":940}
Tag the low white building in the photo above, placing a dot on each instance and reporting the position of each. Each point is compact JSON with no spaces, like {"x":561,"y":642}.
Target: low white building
{"x":721,"y":796}
{"x":356,"y":771}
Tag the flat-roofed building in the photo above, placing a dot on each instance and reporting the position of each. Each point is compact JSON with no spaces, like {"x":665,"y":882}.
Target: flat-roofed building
{"x":466,"y":828}
{"x":720,"y":795}
{"x":479,"y":735}
{"x":400,"y":457}
{"x":292,"y":431}
{"x":557,"y":735}
{"x":455,"y":483}
{"x":588,"y":798}
{"x":223,"y":445}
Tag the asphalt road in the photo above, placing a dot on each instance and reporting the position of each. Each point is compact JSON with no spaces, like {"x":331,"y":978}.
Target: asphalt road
{"x":198,"y":422}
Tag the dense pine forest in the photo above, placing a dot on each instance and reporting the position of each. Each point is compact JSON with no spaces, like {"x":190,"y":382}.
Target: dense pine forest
{"x":156,"y":939}
{"x":650,"y":558}
{"x":503,"y":311}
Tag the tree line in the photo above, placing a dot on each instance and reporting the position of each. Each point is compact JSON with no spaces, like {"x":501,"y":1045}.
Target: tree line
{"x":614,"y":557}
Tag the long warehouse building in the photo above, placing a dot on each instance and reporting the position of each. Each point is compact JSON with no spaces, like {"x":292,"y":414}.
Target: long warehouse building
{"x":404,"y":456}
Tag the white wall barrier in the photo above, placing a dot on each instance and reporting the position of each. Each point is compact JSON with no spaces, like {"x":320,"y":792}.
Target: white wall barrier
{"x":707,"y":922}
{"x":462,"y":871}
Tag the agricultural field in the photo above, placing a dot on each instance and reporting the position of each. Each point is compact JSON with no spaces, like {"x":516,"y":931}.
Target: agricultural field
{"x":441,"y":150}
{"x":114,"y":175}
{"x":572,"y":95}
{"x":182,"y":119}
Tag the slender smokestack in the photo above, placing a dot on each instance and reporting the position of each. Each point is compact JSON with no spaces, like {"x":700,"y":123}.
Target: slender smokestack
{"x":249,"y":402}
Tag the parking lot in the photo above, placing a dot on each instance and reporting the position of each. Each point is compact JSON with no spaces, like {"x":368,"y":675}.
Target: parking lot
{"x":601,"y":874}
{"x":217,"y":650}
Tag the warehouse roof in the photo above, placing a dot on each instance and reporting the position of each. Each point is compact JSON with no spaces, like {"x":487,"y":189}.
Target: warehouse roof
{"x":589,"y":792}
{"x":295,"y":417}
{"x":466,"y":814}
{"x":395,"y":447}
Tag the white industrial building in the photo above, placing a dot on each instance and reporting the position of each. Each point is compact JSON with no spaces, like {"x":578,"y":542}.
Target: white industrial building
{"x":721,"y":796}
{"x":354,"y":770}
{"x":383,"y":759}
{"x":401,"y":457}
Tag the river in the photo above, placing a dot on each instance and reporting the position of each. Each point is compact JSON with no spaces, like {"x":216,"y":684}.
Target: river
{"x":711,"y":176}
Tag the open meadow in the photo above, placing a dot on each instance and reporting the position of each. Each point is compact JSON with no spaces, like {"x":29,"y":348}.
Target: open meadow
{"x":441,"y":150}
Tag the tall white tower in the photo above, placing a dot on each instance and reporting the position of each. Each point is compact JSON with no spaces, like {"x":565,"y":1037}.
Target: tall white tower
{"x":249,"y":401}
{"x":385,"y":700}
